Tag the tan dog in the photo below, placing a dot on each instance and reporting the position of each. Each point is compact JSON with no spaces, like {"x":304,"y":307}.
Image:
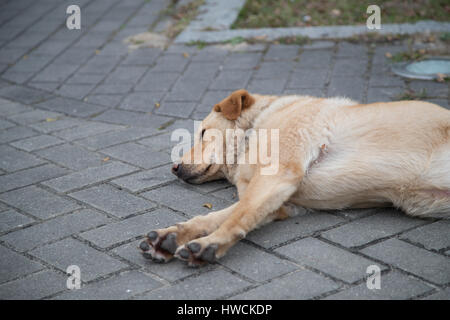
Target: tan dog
{"x":333,"y":154}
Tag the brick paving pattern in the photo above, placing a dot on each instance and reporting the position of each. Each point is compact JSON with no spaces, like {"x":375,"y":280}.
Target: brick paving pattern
{"x":85,"y":149}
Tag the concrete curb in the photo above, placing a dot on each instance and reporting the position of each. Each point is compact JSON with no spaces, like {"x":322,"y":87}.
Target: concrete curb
{"x":328,"y":32}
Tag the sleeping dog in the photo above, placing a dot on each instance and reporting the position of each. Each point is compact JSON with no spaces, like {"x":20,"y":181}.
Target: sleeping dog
{"x":332,"y":153}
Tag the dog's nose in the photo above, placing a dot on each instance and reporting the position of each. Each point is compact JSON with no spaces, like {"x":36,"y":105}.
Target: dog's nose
{"x":175,"y":168}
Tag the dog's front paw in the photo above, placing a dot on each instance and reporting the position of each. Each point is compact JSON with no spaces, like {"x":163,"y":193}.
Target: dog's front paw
{"x":197,"y":254}
{"x":159,"y":245}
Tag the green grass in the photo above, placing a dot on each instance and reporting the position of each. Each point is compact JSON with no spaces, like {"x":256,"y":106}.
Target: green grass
{"x":291,"y":13}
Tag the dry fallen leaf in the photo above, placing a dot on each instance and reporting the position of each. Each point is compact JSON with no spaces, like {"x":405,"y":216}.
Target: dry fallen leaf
{"x":50,"y":119}
{"x":185,"y":54}
{"x":105,"y":159}
{"x":97,"y":51}
{"x":157,"y":105}
{"x":440,"y":77}
{"x":208,"y":205}
{"x":25,"y":56}
{"x":388,"y":55}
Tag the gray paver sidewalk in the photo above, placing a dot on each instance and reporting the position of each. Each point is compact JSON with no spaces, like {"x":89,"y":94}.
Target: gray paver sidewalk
{"x":85,"y":147}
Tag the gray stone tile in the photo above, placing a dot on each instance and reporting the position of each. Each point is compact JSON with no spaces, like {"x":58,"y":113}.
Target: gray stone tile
{"x":35,"y":286}
{"x":431,"y":88}
{"x":16,"y":133}
{"x":434,"y":236}
{"x":138,"y":155}
{"x":126,"y":75}
{"x":8,"y":108}
{"x":142,"y":57}
{"x":23,"y":94}
{"x":394,"y":286}
{"x":38,"y":202}
{"x":29,"y":176}
{"x":33,"y":116}
{"x":314,"y":59}
{"x":36,"y":143}
{"x":154,"y":81}
{"x":440,"y":295}
{"x":140,"y":181}
{"x":354,"y":50}
{"x":229,"y":194}
{"x":6,"y":124}
{"x":267,"y":86}
{"x":107,"y":100}
{"x":428,"y":265}
{"x":121,"y":287}
{"x":322,"y":256}
{"x":302,"y":79}
{"x":86,"y":130}
{"x":14,"y":265}
{"x":12,"y":159}
{"x":131,"y":228}
{"x":71,"y":107}
{"x":170,"y":63}
{"x":135,"y":119}
{"x":141,"y":101}
{"x":347,"y":86}
{"x":231,"y":80}
{"x":282,"y":52}
{"x":72,"y":157}
{"x":54,"y":229}
{"x":379,"y":94}
{"x":89,"y":176}
{"x":109,"y":139}
{"x":58,"y":124}
{"x":303,"y":225}
{"x":255,"y":264}
{"x":181,"y":199}
{"x":113,"y":88}
{"x":211,"y":285}
{"x":176,"y":109}
{"x":159,"y":142}
{"x":112,"y":200}
{"x":11,"y":219}
{"x":76,"y":91}
{"x":93,"y":263}
{"x":298,"y":285}
{"x":363,"y":231}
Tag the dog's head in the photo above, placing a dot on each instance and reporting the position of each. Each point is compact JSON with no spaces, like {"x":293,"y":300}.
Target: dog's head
{"x":222,"y":117}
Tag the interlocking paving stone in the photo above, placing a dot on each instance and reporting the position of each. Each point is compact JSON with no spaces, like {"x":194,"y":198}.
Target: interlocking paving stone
{"x":141,"y":101}
{"x":440,"y":295}
{"x":170,"y":63}
{"x":308,"y":80}
{"x":29,"y":176}
{"x":154,"y":81}
{"x":298,"y":285}
{"x":138,"y":155}
{"x":282,"y":52}
{"x":67,"y":252}
{"x":173,"y":271}
{"x":133,"y":118}
{"x":14,"y":265}
{"x":146,"y":179}
{"x":15,"y":133}
{"x":112,"y":200}
{"x":105,"y":140}
{"x":36,"y":286}
{"x":334,"y":261}
{"x":54,"y":229}
{"x":108,"y":88}
{"x":39,"y":202}
{"x":33,"y":116}
{"x":231,"y":80}
{"x":181,"y":199}
{"x":394,"y":286}
{"x":377,"y":94}
{"x":89,"y":176}
{"x":128,"y":74}
{"x":159,"y":142}
{"x":143,"y":56}
{"x":72,"y":157}
{"x":363,"y":231}
{"x":131,"y":228}
{"x":107,"y":100}
{"x":176,"y":109}
{"x":347,"y":86}
{"x":314,"y":59}
{"x":13,"y":160}
{"x":85,"y":130}
{"x":71,"y":107}
{"x":23,"y":94}
{"x":266,"y":86}
{"x":120,"y":287}
{"x":210,"y":285}
{"x":428,"y":265}
{"x":11,"y":219}
{"x":305,"y":224}
{"x":57,"y":124}
{"x":434,"y":236}
{"x":229,"y":194}
{"x":255,"y":264}
{"x":36,"y":143}
{"x":8,"y":108}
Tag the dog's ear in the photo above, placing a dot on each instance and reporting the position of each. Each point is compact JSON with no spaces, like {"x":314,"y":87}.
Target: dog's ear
{"x":232,"y":106}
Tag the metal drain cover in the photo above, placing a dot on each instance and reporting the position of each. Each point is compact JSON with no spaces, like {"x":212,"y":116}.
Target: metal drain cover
{"x":425,"y":70}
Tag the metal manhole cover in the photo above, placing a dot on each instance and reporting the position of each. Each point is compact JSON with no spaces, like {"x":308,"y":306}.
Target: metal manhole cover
{"x":427,"y":69}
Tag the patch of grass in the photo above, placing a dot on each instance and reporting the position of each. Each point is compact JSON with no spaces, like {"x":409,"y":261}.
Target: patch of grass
{"x":412,"y":95}
{"x":408,"y":56}
{"x":445,"y":37}
{"x":199,"y":44}
{"x":299,"y":13}
{"x":182,"y":16}
{"x":235,"y":40}
{"x":299,"y":40}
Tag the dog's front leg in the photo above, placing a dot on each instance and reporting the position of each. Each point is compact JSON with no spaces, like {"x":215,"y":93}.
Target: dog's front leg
{"x":260,"y":203}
